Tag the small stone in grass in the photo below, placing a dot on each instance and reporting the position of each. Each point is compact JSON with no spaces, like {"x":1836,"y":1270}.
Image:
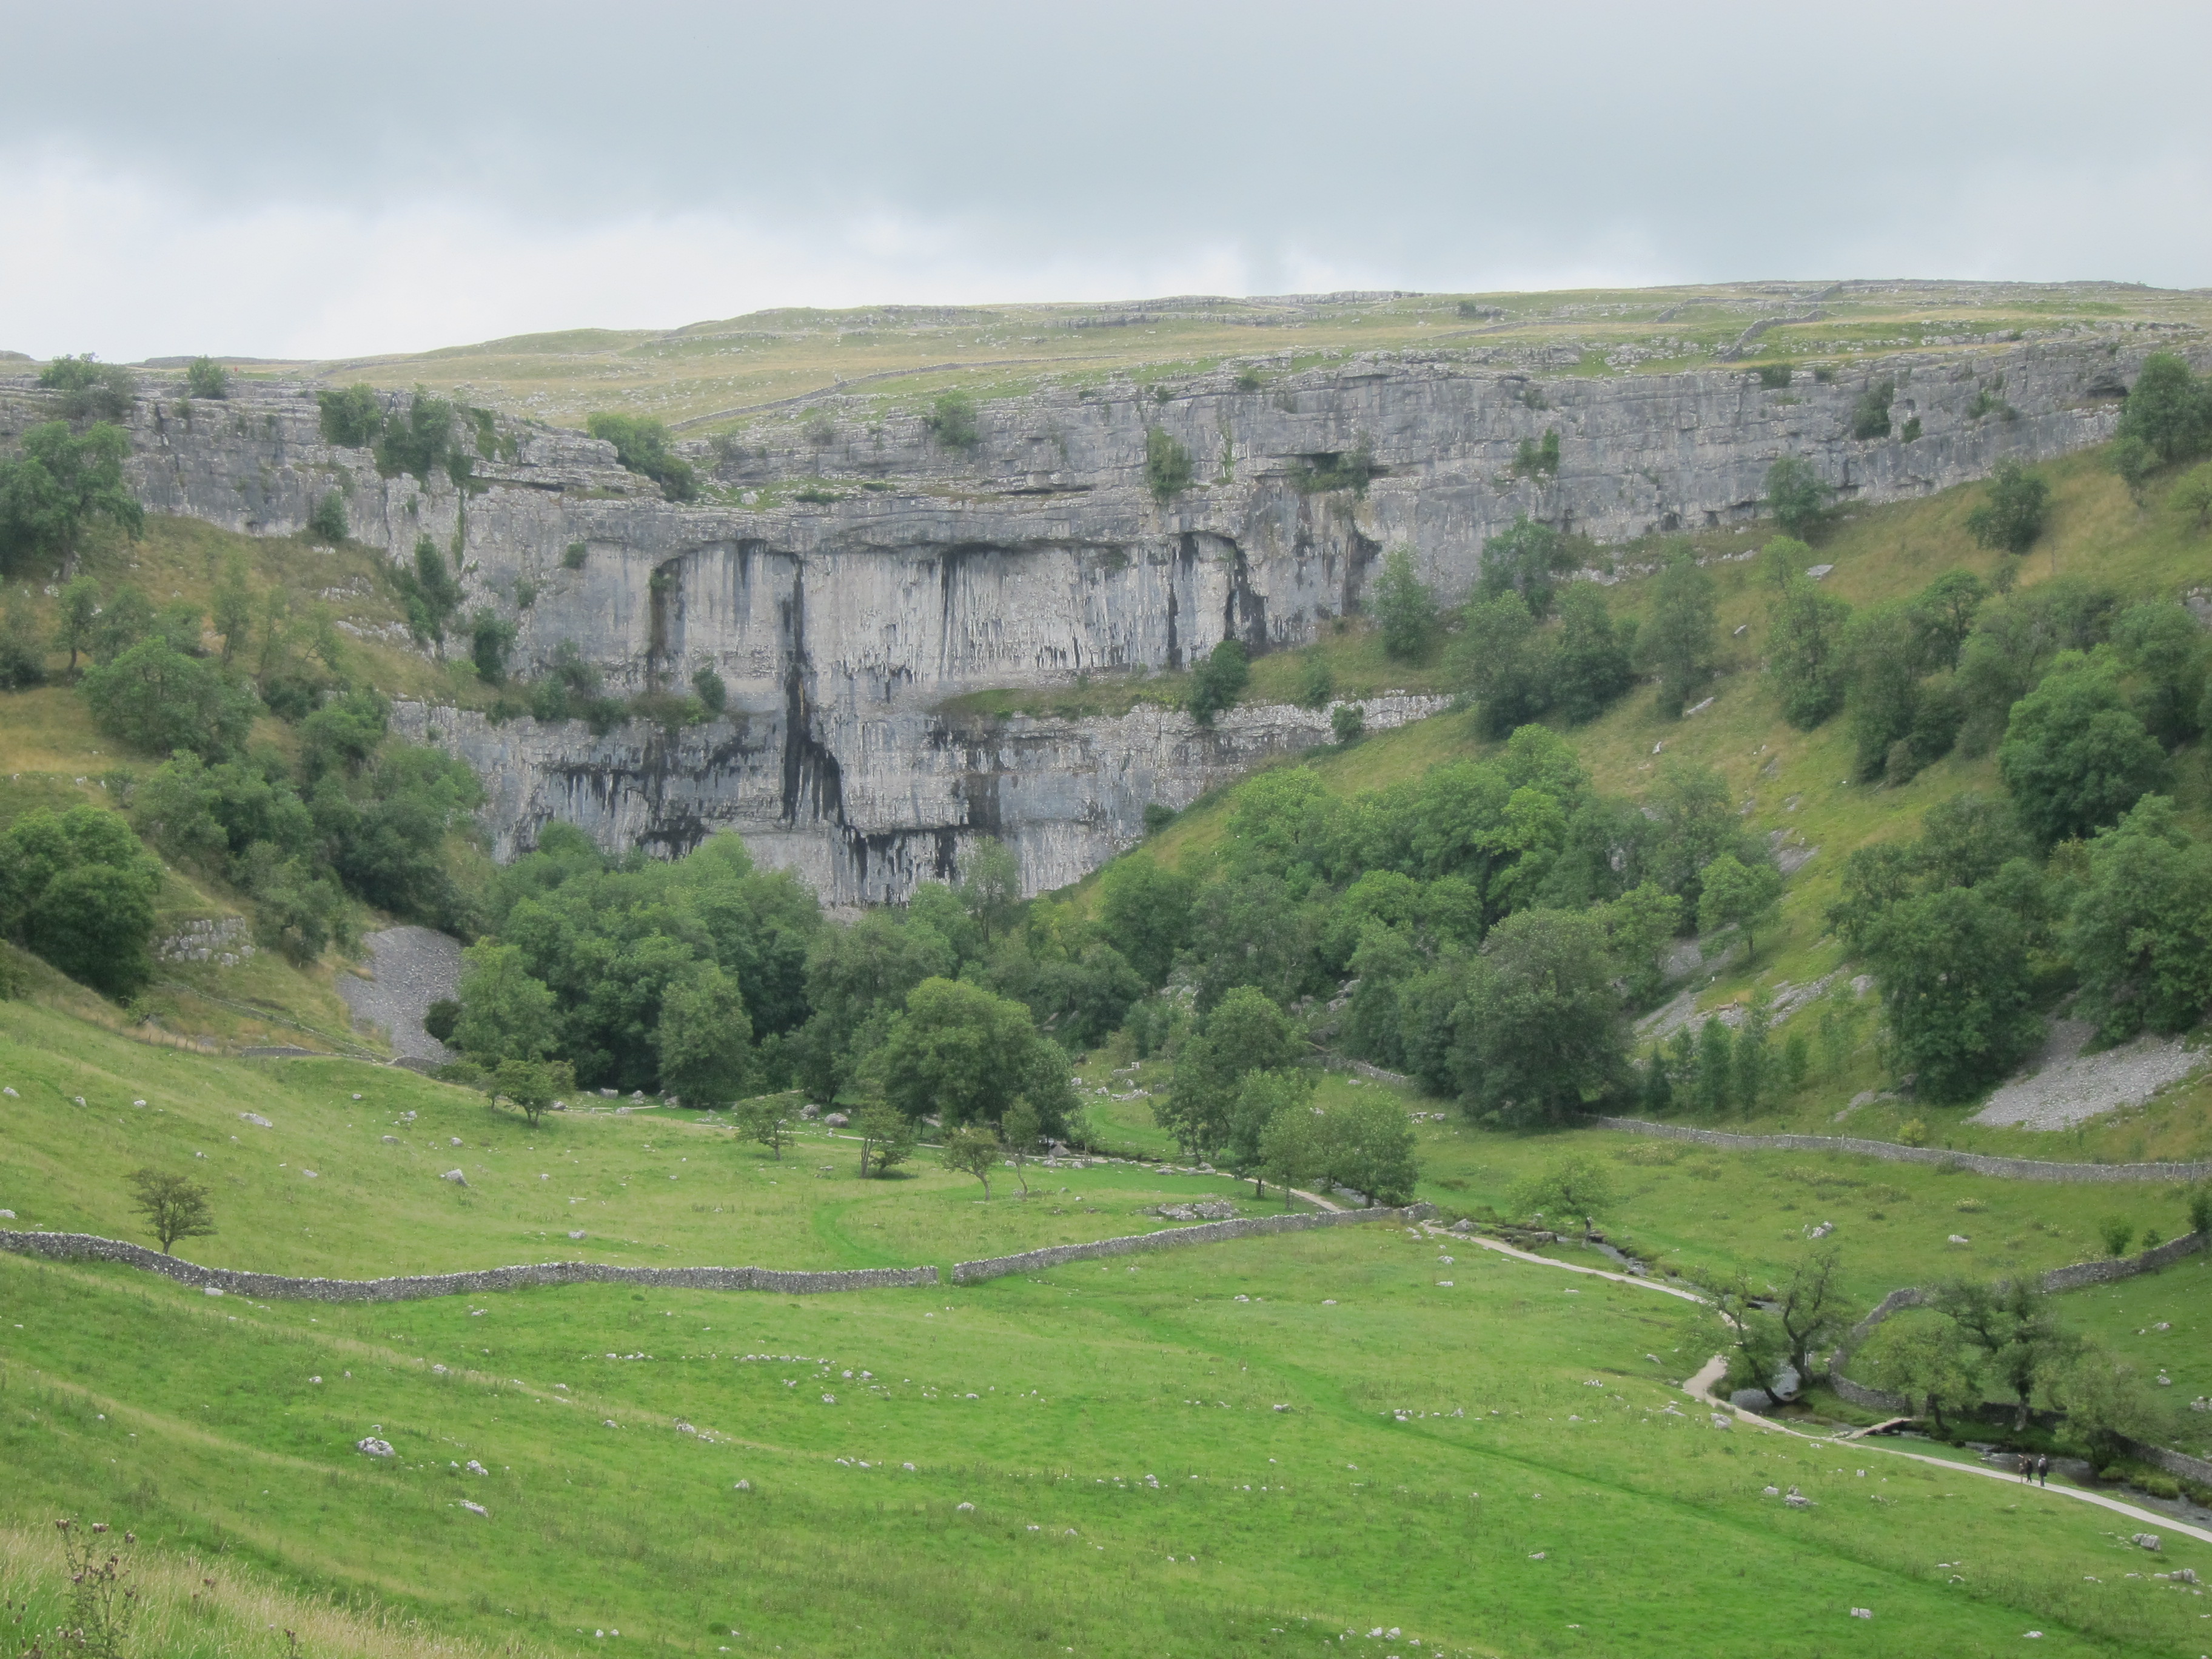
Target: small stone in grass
{"x":371,"y":1447}
{"x":963,"y":1506}
{"x":475,"y":1509}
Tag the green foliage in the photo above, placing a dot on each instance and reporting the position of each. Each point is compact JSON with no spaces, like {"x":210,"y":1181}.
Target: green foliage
{"x":1925,"y":1360}
{"x":1870,"y":414}
{"x":1590,"y":666}
{"x":887,"y":1136}
{"x":2013,"y":1332}
{"x":1639,"y":929}
{"x":352,"y":418}
{"x":1503,"y":660}
{"x":1167,"y":465}
{"x":491,"y":636}
{"x":430,"y":593}
{"x":1538,"y":458}
{"x":60,"y":483}
{"x":1681,"y":641}
{"x":1743,"y":896}
{"x":2018,"y":508}
{"x":1351,"y":469}
{"x":704,"y":1039}
{"x":156,"y":698}
{"x":966,"y":1055}
{"x":1218,"y":682}
{"x":763,"y":1118}
{"x":2140,"y":935}
{"x":175,"y":1206}
{"x":2110,"y":1407}
{"x":1527,"y":560}
{"x":991,"y":885}
{"x":1316,"y":684}
{"x":1774,"y":376}
{"x":1805,"y":648}
{"x":641,"y":445}
{"x":1956,"y":988}
{"x":418,"y":445}
{"x":2169,"y":410}
{"x":1577,"y":1185}
{"x":972,"y":1150}
{"x":2074,"y":757}
{"x":22,"y":647}
{"x":529,"y":1085}
{"x":233,"y":606}
{"x":2192,"y":497}
{"x":206,"y":378}
{"x":1244,"y":1033}
{"x":951,"y":422}
{"x":2169,"y":660}
{"x":1145,"y":910}
{"x":1798,"y":497}
{"x":1347,"y":722}
{"x":327,"y":522}
{"x":712,"y":693}
{"x":91,"y":391}
{"x":77,"y":889}
{"x":1403,"y":607}
{"x":439,"y":1018}
{"x":507,"y":1013}
{"x":1538,"y":1038}
{"x":574,"y":555}
{"x":1714,"y":1071}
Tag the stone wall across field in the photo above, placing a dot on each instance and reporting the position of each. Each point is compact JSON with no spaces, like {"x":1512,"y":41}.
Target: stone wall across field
{"x":2010,"y":1169}
{"x":89,"y":1247}
{"x":1210,"y":1232}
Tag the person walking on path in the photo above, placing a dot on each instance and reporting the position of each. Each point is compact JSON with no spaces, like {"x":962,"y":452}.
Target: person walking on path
{"x":2027,"y":1468}
{"x":2042,"y":1470}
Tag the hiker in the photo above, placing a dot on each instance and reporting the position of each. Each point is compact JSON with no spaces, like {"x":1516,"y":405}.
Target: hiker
{"x":2027,"y":1468}
{"x":2042,"y":1470}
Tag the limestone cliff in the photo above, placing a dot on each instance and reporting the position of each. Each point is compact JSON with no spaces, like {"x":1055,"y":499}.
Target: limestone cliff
{"x":841,"y":625}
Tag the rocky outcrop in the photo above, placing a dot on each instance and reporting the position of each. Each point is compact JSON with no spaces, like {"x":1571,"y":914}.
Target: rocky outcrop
{"x":1038,"y":557}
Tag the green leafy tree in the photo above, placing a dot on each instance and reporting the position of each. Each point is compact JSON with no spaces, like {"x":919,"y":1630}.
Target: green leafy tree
{"x":430,"y":592}
{"x":1527,"y":559}
{"x":419,"y":444}
{"x":2018,"y":508}
{"x":1167,"y":465}
{"x":1886,"y":671}
{"x":991,"y":886}
{"x":2014,"y":1332}
{"x":1021,"y":1133}
{"x":157,"y":699}
{"x":1680,"y":640}
{"x":713,"y":692}
{"x":1870,"y":414}
{"x":2169,"y":410}
{"x":1590,"y":667}
{"x":1244,"y":1032}
{"x":22,"y":647}
{"x":2168,"y":657}
{"x":76,"y":619}
{"x":963,"y":1053}
{"x":705,"y":1039}
{"x":530,"y":1086}
{"x":1640,"y":928}
{"x":351,"y":418}
{"x":762,"y":1119}
{"x":77,"y":889}
{"x":886,"y":1137}
{"x":1798,"y":497}
{"x":1805,"y":651}
{"x":1577,"y":1185}
{"x":1347,"y":722}
{"x":2140,"y":935}
{"x":1538,"y":1038}
{"x":1145,"y":910}
{"x":506,"y":1013}
{"x":1261,"y":1098}
{"x":1504,"y":661}
{"x":971,"y":1150}
{"x":91,"y":390}
{"x":233,"y":606}
{"x":206,"y":378}
{"x":1367,"y":1144}
{"x":1942,"y":616}
{"x":60,"y":483}
{"x":175,"y":1206}
{"x":2192,"y":497}
{"x":1809,"y":1311}
{"x":491,"y":636}
{"x":1218,"y":681}
{"x":2074,"y":757}
{"x":2110,"y":1408}
{"x":1750,"y":1059}
{"x":1291,"y":1151}
{"x":1316,"y":684}
{"x":1715,"y":1070}
{"x":1925,"y":1360}
{"x":642,"y":446}
{"x":951,"y":422}
{"x":327,"y":522}
{"x":1955,"y":976}
{"x":1404,"y":607}
{"x":1744,"y":896}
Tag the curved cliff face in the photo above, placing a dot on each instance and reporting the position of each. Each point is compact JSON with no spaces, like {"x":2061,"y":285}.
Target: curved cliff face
{"x":1039,"y":556}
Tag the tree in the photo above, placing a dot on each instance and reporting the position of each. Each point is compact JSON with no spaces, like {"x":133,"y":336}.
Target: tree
{"x":91,"y":389}
{"x":2140,"y":934}
{"x":2018,"y":507}
{"x":971,"y":1150}
{"x":1680,"y":641}
{"x":2073,"y":755}
{"x":1751,"y":1059}
{"x":1798,"y":496}
{"x":1347,"y":722}
{"x":713,"y":692}
{"x":1640,"y":928}
{"x":1291,"y":1151}
{"x":1942,"y":615}
{"x":1218,"y":681}
{"x":206,"y":378}
{"x":886,"y":1138}
{"x":991,"y":886}
{"x":1805,"y":651}
{"x":1714,"y":1072}
{"x":1167,"y":465}
{"x":951,"y":422}
{"x":1244,"y":1032}
{"x":2014,"y":1328}
{"x":351,"y":418}
{"x":1590,"y":667}
{"x":327,"y":522}
{"x":59,"y":482}
{"x":1538,"y":1038}
{"x":1744,"y":896}
{"x":1925,"y":1360}
{"x":1956,"y":989}
{"x":1367,"y":1142}
{"x":1504,"y":661}
{"x":1019,"y":1131}
{"x":77,"y":889}
{"x":1316,"y":684}
{"x":76,"y":614}
{"x":705,"y":1039}
{"x":1527,"y":560}
{"x":1870,"y":414}
{"x":2166,"y":652}
{"x":1261,"y":1098}
{"x":761,"y":1119}
{"x":491,"y":636}
{"x":1811,"y":1309}
{"x":156,"y":698}
{"x":2192,"y":497}
{"x":530,"y":1085}
{"x":2169,"y":410}
{"x":506,"y":1013}
{"x":175,"y":1206}
{"x":233,"y":606}
{"x":420,"y":442}
{"x":966,"y":1055}
{"x":1574,"y":1185}
{"x":1144,"y":908}
{"x":1403,"y":607}
{"x":2110,"y":1407}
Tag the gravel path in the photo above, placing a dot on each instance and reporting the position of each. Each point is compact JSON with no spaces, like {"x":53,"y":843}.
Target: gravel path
{"x":2063,"y":1086}
{"x":412,"y":968}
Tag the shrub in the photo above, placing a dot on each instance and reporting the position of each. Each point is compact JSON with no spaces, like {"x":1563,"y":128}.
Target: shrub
{"x":1321,"y":474}
{"x":1805,"y":650}
{"x":2116,"y":1232}
{"x":1774,"y":376}
{"x":352,"y":418}
{"x":59,"y":482}
{"x":82,"y":895}
{"x":1218,"y":682}
{"x":328,"y":521}
{"x":641,"y":445}
{"x":1316,"y":684}
{"x":1167,"y":465}
{"x":22,"y":648}
{"x":1798,"y":496}
{"x":1403,"y":606}
{"x":713,"y":695}
{"x":1527,"y":560}
{"x":573,"y":555}
{"x":1870,"y":414}
{"x":2169,"y":410}
{"x":206,"y":378}
{"x":429,"y":593}
{"x":419,"y":444}
{"x":156,"y":698}
{"x":2074,"y":757}
{"x":1538,"y":458}
{"x":1911,"y":429}
{"x":91,"y":391}
{"x":2192,"y":497}
{"x":1157,"y":817}
{"x":1247,"y":380}
{"x":491,"y":636}
{"x":2018,"y":507}
{"x":1347,"y":722}
{"x":951,"y":422}
{"x":1680,"y":641}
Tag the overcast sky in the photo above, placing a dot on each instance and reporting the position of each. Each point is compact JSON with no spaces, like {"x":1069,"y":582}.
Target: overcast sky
{"x":287,"y":179}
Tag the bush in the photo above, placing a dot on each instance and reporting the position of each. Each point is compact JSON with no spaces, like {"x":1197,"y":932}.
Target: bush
{"x":91,"y":391}
{"x":1167,"y":465}
{"x":421,"y":443}
{"x":641,"y":445}
{"x":951,"y":422}
{"x":574,"y":555}
{"x":156,"y":698}
{"x":1347,"y":722}
{"x":1535,"y":459}
{"x":1774,"y":376}
{"x":1805,"y":650}
{"x":59,"y":482}
{"x":80,"y":894}
{"x":491,"y":636}
{"x":2074,"y":757}
{"x":1527,"y":560}
{"x":352,"y":418}
{"x":2169,"y":410}
{"x":428,"y":592}
{"x":22,"y":648}
{"x":713,"y":695}
{"x":2116,"y":1232}
{"x":1798,"y":496}
{"x":206,"y":378}
{"x":2016,"y":510}
{"x":1870,"y":414}
{"x":1217,"y":682}
{"x":328,"y":521}
{"x":1157,"y":817}
{"x":1322,"y":473}
{"x":1403,"y":607}
{"x":1680,"y":641}
{"x":1316,"y":684}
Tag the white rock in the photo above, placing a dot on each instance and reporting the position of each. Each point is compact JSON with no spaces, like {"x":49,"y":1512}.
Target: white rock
{"x":1960,"y":1238}
{"x":373,"y":1447}
{"x":475,"y":1509}
{"x":575,"y":1235}
{"x":456,"y":1178}
{"x":7,"y":1215}
{"x":391,"y":1140}
{"x":2145,"y":1541}
{"x":963,"y":1506}
{"x":475,"y":1468}
{"x":1722,"y":1422}
{"x":254,"y":1118}
{"x":356,"y":1097}
{"x":1862,"y":1612}
{"x":212,"y":1290}
{"x":743,"y":1485}
{"x":314,"y":1379}
{"x":11,"y":1094}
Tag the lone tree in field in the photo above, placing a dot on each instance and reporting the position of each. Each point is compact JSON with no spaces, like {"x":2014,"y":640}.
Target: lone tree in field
{"x":175,"y":1206}
{"x":1577,"y":1185}
{"x":886,"y":1138}
{"x":529,"y":1085}
{"x":1021,"y":1133}
{"x":761,"y":1119}
{"x":972,"y":1151}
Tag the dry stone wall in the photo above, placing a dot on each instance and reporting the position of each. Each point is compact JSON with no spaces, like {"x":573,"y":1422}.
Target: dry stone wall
{"x":2011,"y":1168}
{"x":1210,"y":1232}
{"x":1039,"y":556}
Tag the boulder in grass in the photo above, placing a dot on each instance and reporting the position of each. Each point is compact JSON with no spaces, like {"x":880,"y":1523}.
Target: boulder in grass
{"x":371,"y":1447}
{"x":835,"y":1119}
{"x":2147,"y":1540}
{"x":476,"y":1508}
{"x":456,"y":1178}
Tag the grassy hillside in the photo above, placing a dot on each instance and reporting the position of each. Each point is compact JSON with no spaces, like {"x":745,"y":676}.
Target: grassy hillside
{"x":716,"y":376}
